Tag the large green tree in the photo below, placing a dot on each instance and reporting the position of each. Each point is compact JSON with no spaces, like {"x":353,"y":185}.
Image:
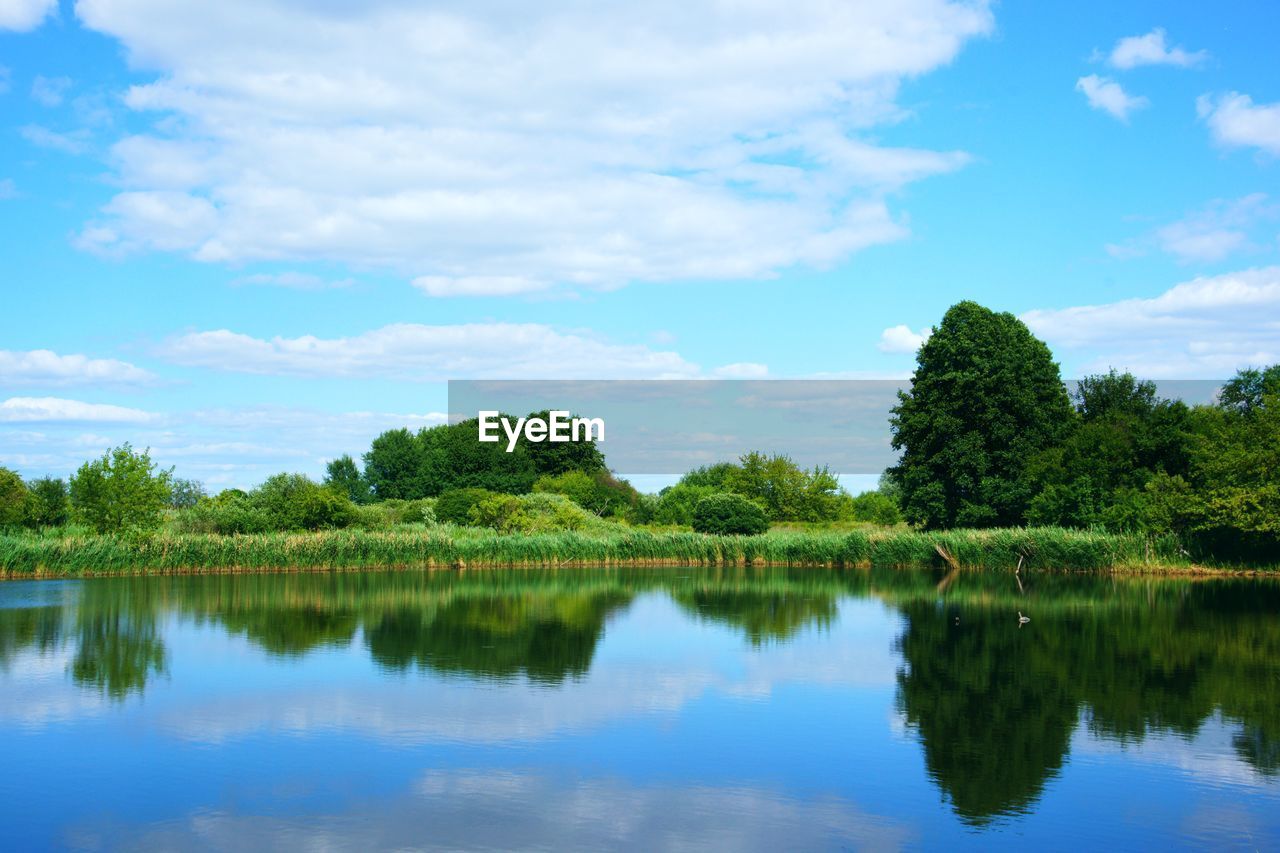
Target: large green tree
{"x":986,"y":397}
{"x":122,"y":492}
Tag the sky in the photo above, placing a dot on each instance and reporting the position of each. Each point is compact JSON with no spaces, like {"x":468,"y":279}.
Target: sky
{"x":253,"y":234}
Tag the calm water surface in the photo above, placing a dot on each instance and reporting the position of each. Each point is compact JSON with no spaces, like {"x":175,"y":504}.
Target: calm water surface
{"x":733,"y":709}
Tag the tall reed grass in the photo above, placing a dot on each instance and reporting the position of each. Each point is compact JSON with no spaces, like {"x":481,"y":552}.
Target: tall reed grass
{"x":446,"y":546}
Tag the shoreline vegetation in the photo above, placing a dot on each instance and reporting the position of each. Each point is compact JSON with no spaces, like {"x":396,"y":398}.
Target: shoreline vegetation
{"x":451,"y":547}
{"x":1000,"y":467}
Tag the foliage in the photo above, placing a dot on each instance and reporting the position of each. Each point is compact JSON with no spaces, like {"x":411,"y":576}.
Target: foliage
{"x":454,"y":506}
{"x":676,"y":503}
{"x":1246,"y":391}
{"x":393,"y":466}
{"x":1122,"y":437}
{"x":47,"y":503}
{"x":1229,"y":503}
{"x":597,"y":491}
{"x":13,"y":499}
{"x":296,"y":502}
{"x":231,"y":512}
{"x":185,"y":493}
{"x":344,"y":477}
{"x":985,"y":397}
{"x":121,"y":493}
{"x":729,"y":514}
{"x":714,"y":477}
{"x":874,"y":507}
{"x":405,"y":465}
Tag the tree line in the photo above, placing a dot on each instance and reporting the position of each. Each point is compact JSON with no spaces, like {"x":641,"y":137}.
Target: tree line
{"x":990,"y":437}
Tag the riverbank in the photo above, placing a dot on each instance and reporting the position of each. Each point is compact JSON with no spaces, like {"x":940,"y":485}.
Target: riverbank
{"x":454,"y":547}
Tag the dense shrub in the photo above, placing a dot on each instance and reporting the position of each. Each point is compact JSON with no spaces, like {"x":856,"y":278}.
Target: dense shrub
{"x":597,"y":491}
{"x":229,"y":513}
{"x":729,"y":514}
{"x":873,"y":507}
{"x":676,"y":503}
{"x":540,"y":512}
{"x":454,"y":506}
{"x":295,"y":502}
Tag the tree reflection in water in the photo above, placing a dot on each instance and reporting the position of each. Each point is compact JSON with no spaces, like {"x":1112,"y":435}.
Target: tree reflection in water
{"x":994,"y":705}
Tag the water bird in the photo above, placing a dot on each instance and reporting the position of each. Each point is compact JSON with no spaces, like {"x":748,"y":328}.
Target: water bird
{"x":1022,"y":620}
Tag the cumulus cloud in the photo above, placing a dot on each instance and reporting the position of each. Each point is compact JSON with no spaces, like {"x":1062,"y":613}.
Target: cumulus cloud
{"x":1235,"y":121}
{"x":56,"y":409}
{"x":480,"y":154}
{"x":416,"y":352}
{"x":23,"y":15}
{"x":1222,"y":228}
{"x":1207,"y":328}
{"x":902,"y":339}
{"x":1107,"y":95}
{"x":1150,"y":49}
{"x":44,"y":367}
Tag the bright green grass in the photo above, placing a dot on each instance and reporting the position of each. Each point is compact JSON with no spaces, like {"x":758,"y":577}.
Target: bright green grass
{"x":445,"y":546}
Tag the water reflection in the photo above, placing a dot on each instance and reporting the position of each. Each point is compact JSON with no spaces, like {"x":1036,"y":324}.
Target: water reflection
{"x":994,"y":705}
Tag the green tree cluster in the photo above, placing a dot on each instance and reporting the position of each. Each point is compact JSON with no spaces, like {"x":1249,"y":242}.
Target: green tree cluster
{"x":989,"y":437}
{"x":407,"y":465}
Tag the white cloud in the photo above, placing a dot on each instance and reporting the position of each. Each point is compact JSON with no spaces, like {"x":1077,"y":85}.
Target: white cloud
{"x":478,"y":285}
{"x":8,"y":189}
{"x":1222,"y":228}
{"x":49,"y":91}
{"x":293,"y":281}
{"x":23,"y":15}
{"x":482,"y":152}
{"x":902,"y":339}
{"x":44,"y":367}
{"x":1150,"y":49}
{"x":1235,"y":121}
{"x":741,"y":370}
{"x":35,"y":409}
{"x":1208,"y":327}
{"x":1107,"y":95}
{"x":73,"y":142}
{"x":416,"y":352}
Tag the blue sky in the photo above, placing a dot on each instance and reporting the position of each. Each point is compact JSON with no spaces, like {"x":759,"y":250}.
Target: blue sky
{"x":251,"y":235}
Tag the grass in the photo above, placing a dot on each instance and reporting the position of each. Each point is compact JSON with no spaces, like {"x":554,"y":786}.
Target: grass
{"x":26,"y":555}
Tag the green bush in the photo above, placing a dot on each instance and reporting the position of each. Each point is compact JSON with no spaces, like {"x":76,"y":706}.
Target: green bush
{"x":230,"y":513}
{"x":454,"y":506}
{"x":873,"y":507}
{"x":295,"y":502}
{"x":676,"y":504}
{"x":729,"y":514}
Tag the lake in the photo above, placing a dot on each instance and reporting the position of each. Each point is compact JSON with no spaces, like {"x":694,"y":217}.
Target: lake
{"x":754,"y":709}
